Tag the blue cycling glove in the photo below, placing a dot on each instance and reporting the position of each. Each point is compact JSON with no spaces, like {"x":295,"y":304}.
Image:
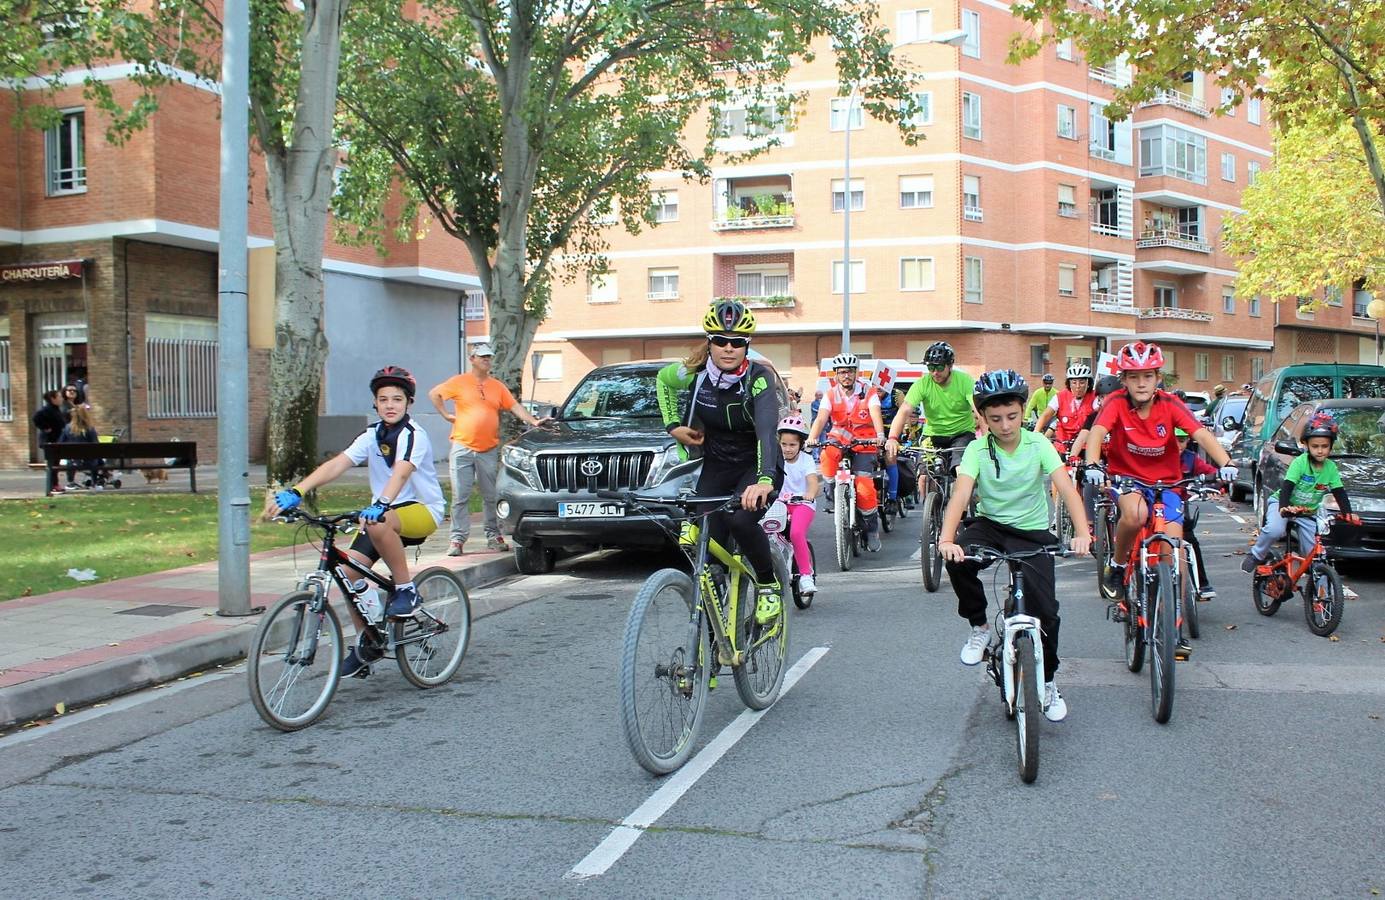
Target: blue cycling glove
{"x":288,"y":499}
{"x":374,"y":512}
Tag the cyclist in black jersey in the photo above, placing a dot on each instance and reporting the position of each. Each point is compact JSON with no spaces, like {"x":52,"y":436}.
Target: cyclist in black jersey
{"x":723,"y":402}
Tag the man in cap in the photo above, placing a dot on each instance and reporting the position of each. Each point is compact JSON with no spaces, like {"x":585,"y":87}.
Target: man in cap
{"x":477,"y":400}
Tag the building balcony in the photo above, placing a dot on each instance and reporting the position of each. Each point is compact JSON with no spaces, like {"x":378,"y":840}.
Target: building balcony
{"x":1101,"y":151}
{"x":661,"y":296}
{"x":1110,"y":302}
{"x":736,"y":219}
{"x":1173,"y":312}
{"x":1108,"y":228}
{"x":1163,"y":237}
{"x":1178,"y":100}
{"x":1119,"y":76}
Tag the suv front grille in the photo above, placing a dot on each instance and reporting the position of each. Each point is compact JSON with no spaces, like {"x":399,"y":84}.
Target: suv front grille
{"x":587,"y":472}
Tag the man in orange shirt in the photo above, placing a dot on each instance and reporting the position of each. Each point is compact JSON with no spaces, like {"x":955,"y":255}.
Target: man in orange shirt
{"x":477,"y":400}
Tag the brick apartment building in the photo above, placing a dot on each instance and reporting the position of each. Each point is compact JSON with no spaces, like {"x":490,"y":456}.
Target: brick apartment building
{"x":108,"y":273}
{"x":1027,"y":229}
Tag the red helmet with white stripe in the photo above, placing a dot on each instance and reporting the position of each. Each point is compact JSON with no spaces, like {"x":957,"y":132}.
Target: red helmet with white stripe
{"x":1138,"y":356}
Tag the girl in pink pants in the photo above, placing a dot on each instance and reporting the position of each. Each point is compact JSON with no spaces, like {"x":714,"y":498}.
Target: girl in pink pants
{"x":801,"y":483}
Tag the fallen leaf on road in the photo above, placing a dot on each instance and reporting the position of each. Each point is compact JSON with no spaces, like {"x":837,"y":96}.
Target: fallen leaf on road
{"x":1333,"y":638}
{"x":60,"y":708}
{"x":1231,"y":627}
{"x":1375,"y":716}
{"x":29,"y":592}
{"x":113,"y":644}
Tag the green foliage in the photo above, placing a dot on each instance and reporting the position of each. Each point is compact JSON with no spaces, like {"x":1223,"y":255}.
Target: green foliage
{"x":524,"y":122}
{"x":1313,"y":219}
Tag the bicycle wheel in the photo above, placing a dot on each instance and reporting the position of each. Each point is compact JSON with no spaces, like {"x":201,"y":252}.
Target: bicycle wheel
{"x":295,"y":662}
{"x":886,"y":517}
{"x":800,"y":599}
{"x":761,"y":672}
{"x":846,"y":534}
{"x":1323,"y":599}
{"x":665,"y":664}
{"x":1163,"y":638}
{"x":1134,"y":634}
{"x":1027,"y":709}
{"x":1190,"y":602}
{"x":430,"y":646}
{"x":929,"y":557}
{"x":1267,"y":592}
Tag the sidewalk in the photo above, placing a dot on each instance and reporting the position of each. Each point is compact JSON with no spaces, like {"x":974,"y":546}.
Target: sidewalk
{"x":27,"y":483}
{"x":91,"y":642}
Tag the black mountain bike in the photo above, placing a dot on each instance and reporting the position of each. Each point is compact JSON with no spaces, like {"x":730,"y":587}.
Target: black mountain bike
{"x":295,"y":657}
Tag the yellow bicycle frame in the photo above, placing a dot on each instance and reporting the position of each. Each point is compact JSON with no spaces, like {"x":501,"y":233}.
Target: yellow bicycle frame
{"x":728,"y":653}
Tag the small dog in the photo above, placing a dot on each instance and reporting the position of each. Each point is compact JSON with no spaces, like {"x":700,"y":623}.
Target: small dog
{"x":153,"y":475}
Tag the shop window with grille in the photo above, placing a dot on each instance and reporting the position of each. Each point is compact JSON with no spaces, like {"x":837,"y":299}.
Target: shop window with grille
{"x":181,"y":355}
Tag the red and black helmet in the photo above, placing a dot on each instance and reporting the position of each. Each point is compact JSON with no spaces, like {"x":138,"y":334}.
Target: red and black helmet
{"x":1321,"y":425}
{"x":397,"y":376}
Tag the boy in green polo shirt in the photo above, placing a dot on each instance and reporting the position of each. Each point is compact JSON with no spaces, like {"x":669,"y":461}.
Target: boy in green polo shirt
{"x":1310,"y":478}
{"x":1008,"y":469}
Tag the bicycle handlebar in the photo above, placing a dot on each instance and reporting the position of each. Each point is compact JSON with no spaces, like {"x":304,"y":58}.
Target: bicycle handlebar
{"x":989,"y":554}
{"x":854,"y":443}
{"x":348,"y":518}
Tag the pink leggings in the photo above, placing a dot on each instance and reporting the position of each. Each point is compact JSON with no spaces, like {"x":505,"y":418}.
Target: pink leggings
{"x":800,"y":517}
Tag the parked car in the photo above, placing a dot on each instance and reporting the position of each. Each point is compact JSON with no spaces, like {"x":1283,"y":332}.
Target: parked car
{"x":1196,"y":401}
{"x":1360,"y":456}
{"x":1224,"y":419}
{"x":608,"y":435}
{"x":1279,"y":391}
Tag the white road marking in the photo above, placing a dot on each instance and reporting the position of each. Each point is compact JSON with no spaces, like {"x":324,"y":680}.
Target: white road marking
{"x":1349,"y":593}
{"x":1237,"y":518}
{"x":123,"y":703}
{"x":609,"y":851}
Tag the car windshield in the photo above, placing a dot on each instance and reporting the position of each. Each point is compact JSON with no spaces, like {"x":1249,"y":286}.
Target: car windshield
{"x":1301,"y":389}
{"x":1362,"y":430}
{"x":613,"y":395}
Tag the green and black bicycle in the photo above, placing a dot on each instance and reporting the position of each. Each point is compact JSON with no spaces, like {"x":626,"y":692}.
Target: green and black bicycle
{"x":682,"y":629}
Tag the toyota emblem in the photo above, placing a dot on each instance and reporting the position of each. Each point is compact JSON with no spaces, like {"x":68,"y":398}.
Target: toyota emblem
{"x":592,"y":467}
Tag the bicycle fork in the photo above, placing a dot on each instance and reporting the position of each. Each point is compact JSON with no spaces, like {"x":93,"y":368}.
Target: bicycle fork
{"x":1014,"y":627}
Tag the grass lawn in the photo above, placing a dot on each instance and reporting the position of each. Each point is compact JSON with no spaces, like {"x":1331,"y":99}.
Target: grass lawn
{"x":120,"y":535}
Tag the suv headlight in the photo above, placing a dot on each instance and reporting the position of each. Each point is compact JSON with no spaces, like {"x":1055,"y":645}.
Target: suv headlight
{"x":517,"y":457}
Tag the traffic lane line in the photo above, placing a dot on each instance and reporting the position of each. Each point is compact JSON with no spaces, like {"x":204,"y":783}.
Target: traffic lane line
{"x":624,"y":836}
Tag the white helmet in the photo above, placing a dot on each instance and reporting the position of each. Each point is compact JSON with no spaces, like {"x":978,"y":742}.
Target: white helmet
{"x":1079,"y":370}
{"x":846,"y":361}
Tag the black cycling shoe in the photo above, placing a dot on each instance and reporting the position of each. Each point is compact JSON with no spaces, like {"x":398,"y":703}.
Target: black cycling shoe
{"x":1184,"y":649}
{"x":1115,"y":580}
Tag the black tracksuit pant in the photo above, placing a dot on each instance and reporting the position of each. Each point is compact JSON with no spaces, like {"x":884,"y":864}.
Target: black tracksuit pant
{"x":743,"y":524}
{"x":1040,"y":599}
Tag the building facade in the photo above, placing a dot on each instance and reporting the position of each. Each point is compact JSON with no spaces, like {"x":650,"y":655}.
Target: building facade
{"x":108,"y":276}
{"x":1027,"y":229}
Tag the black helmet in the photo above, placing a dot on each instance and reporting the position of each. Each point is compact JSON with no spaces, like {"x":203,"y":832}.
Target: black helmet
{"x":939,"y":354}
{"x":395,"y":375}
{"x":1321,"y":425}
{"x":1107,"y":384}
{"x":998,"y":387}
{"x":1048,"y":378}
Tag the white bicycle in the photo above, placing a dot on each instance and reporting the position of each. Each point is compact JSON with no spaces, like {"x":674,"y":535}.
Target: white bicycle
{"x":1015,"y":657}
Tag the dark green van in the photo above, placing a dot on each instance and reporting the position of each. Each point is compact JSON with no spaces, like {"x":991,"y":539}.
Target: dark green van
{"x":1278,"y":392}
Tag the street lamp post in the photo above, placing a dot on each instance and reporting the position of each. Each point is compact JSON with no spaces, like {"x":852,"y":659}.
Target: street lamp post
{"x":952,"y":39}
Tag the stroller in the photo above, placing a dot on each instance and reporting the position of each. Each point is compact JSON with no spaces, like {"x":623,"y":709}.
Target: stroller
{"x":100,"y":474}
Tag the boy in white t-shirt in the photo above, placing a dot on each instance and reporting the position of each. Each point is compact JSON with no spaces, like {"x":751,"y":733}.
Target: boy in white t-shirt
{"x":801,"y":484}
{"x":408,"y":502}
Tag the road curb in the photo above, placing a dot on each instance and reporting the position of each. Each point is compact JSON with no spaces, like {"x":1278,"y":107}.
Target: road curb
{"x":91,"y":684}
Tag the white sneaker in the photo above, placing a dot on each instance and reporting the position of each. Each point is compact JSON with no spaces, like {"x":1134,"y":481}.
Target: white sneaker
{"x":975,"y":646}
{"x":806,"y":585}
{"x":1055,"y":707}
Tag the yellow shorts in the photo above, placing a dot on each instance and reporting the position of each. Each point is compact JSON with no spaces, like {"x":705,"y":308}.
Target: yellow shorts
{"x":415,"y":521}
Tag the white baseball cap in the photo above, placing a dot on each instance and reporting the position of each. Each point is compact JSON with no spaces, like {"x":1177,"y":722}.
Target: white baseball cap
{"x":481,"y":348}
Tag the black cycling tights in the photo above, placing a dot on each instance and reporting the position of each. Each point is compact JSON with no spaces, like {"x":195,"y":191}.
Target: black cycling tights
{"x":743,"y":524}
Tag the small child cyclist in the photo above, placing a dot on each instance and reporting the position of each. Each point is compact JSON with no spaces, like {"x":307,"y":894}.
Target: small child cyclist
{"x":1007,"y":467}
{"x":1310,"y":477}
{"x":407,"y":505}
{"x":799,"y":493}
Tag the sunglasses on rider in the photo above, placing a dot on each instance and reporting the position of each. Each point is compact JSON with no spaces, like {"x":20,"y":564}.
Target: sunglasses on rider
{"x":934,"y":367}
{"x":726,"y":340}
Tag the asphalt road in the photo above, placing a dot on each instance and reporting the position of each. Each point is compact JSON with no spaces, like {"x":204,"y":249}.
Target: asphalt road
{"x":888,"y":770}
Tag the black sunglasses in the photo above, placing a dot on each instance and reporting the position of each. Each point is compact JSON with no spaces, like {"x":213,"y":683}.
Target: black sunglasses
{"x":933,"y":367}
{"x":726,"y":340}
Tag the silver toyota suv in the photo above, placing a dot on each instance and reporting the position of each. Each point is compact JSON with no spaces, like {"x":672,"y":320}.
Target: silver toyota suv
{"x":609,"y":435}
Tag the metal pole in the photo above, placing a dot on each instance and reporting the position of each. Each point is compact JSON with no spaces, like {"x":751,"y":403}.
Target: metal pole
{"x":1377,"y":342}
{"x":233,"y":409}
{"x":846,"y":226}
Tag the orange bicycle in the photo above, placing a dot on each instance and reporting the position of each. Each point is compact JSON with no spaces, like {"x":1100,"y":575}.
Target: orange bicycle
{"x":1276,"y":580}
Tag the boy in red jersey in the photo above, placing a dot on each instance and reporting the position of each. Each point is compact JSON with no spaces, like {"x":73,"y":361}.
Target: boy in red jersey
{"x":1143,"y":422}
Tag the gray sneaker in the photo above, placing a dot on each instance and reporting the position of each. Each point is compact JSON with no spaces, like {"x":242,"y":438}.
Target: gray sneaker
{"x":454,"y":548}
{"x":497,"y":543}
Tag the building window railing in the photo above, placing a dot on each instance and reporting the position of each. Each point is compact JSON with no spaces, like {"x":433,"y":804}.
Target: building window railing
{"x":1178,"y":100}
{"x":182,"y":378}
{"x":6,"y":407}
{"x":1174,"y":312}
{"x":1110,"y":301}
{"x":1167,"y":237}
{"x":65,"y":162}
{"x":774,"y":215}
{"x":972,"y":213}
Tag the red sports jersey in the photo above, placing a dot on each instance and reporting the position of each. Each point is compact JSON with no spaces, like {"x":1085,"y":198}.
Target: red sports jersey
{"x":1072,"y":414}
{"x":1145,"y":448}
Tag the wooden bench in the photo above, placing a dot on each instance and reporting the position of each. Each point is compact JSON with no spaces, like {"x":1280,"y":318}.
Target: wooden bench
{"x":127,"y":455}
